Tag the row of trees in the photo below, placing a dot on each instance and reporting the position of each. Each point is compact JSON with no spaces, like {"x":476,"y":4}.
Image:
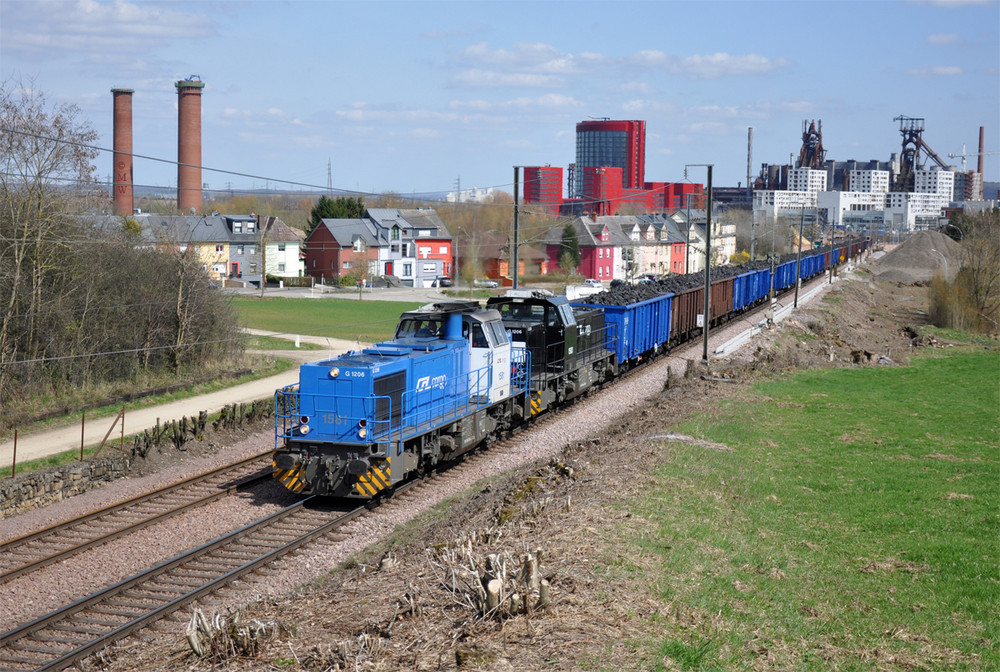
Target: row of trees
{"x":85,"y":304}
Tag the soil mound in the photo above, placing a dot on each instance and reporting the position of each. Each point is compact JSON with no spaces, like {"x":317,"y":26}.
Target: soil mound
{"x":918,"y":259}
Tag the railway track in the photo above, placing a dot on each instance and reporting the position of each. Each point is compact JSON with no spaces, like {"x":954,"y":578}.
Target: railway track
{"x":32,"y":551}
{"x":71,"y":633}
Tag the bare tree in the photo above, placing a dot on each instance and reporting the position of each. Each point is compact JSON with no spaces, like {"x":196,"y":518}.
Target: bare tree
{"x":45,"y":163}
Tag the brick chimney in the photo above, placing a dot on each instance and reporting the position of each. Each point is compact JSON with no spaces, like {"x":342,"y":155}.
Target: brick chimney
{"x":122,"y":156}
{"x":189,"y":144}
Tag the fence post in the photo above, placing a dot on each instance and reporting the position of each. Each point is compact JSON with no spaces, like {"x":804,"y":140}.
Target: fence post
{"x":121,"y":446}
{"x":13,"y":466}
{"x":83,"y":423}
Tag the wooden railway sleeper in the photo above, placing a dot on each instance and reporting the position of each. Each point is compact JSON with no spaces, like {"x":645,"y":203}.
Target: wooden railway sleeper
{"x":28,"y":645}
{"x":69,"y":627}
{"x":20,"y":660}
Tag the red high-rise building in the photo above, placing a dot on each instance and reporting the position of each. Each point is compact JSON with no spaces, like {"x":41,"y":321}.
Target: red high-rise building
{"x":618,"y":144}
{"x":543,"y":185}
{"x":602,"y":189}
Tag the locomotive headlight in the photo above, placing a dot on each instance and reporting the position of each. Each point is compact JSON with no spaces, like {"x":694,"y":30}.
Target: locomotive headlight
{"x":334,"y":372}
{"x":304,"y":420}
{"x":304,"y":429}
{"x":362,"y":432}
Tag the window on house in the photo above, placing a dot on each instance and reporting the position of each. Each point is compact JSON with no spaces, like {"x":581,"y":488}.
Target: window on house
{"x":395,"y":233}
{"x":348,"y":264}
{"x":251,"y":227}
{"x":281,"y":268}
{"x":253,"y":249}
{"x":239,"y":249}
{"x":443,"y":249}
{"x":407,"y":270}
{"x":237,"y":227}
{"x":253,"y":268}
{"x":281,"y":247}
{"x":218,"y":248}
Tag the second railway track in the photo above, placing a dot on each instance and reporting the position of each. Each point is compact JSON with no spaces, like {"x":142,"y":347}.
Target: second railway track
{"x":32,"y":551}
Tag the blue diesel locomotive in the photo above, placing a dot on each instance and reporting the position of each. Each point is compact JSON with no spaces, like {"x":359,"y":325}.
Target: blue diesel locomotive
{"x":362,"y":422}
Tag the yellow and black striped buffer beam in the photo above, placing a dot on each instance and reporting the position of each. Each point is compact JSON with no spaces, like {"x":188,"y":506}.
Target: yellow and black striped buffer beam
{"x":376,"y":479}
{"x":536,"y":403}
{"x":293,"y":479}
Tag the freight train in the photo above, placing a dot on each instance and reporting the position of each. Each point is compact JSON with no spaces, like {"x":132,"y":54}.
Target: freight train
{"x":458,"y":375}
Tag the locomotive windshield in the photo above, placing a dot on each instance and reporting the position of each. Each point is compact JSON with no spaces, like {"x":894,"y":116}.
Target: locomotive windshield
{"x":419,"y":328}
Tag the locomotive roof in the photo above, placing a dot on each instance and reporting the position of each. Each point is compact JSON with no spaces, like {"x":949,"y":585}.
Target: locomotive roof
{"x":473,"y":309}
{"x":528,"y":296}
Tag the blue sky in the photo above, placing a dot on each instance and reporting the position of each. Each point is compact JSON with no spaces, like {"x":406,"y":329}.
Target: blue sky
{"x":413,"y":96}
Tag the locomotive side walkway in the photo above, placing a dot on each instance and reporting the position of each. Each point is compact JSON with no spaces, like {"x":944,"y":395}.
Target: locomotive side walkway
{"x":41,"y":444}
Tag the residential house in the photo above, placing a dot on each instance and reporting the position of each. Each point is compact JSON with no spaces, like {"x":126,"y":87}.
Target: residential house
{"x":623,"y":246}
{"x":411,"y":244}
{"x":491,"y":253}
{"x":230,"y":247}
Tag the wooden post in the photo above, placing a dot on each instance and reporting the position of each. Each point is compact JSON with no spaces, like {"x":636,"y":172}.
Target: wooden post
{"x":83,"y":420}
{"x":13,"y":466}
{"x":121,"y":446}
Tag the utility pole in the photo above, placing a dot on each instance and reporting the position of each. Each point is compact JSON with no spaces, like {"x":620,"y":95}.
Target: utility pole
{"x":263,"y":255}
{"x":708,"y":261}
{"x":513,"y":249}
{"x":798,"y":257}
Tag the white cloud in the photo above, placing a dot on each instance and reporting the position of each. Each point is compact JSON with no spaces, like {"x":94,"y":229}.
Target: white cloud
{"x":100,"y":32}
{"x":514,"y":79}
{"x":936,"y":71}
{"x":943,"y":38}
{"x":720,"y":64}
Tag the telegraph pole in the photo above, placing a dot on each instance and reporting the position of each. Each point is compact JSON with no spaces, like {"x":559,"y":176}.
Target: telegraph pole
{"x":513,"y":249}
{"x":708,"y":261}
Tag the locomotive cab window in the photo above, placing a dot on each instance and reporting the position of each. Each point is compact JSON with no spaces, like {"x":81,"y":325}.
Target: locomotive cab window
{"x":479,"y":336}
{"x":498,"y":333}
{"x":416,"y":328}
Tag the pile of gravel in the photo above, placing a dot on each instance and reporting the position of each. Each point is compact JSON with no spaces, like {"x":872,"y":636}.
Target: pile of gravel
{"x":919,"y":258}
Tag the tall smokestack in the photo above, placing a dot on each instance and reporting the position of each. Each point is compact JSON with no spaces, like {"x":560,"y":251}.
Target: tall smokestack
{"x":981,"y":150}
{"x":122,"y":155}
{"x":189,"y":145}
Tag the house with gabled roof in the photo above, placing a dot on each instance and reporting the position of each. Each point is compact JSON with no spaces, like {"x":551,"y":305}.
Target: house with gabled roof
{"x":623,"y":246}
{"x":411,"y":244}
{"x":237,"y":248}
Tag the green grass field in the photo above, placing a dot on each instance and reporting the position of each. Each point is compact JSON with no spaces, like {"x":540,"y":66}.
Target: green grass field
{"x":854,"y":527}
{"x":365,"y":321}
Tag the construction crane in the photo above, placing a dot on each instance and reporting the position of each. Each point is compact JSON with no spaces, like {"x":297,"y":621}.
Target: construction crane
{"x":965,"y":154}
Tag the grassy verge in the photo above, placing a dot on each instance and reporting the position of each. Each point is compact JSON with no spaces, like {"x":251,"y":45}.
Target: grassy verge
{"x":270,"y":343}
{"x":275,"y":367}
{"x":854,"y":527}
{"x":365,"y":321}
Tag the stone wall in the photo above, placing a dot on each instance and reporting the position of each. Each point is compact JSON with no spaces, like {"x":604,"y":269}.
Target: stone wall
{"x":38,"y":488}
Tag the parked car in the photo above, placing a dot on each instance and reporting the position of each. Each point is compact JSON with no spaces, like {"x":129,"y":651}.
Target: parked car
{"x":442,"y":281}
{"x":591,"y":282}
{"x":617,"y":282}
{"x":484,"y":283}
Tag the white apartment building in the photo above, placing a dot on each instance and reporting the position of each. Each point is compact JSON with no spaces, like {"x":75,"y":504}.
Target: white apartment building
{"x":769,"y":204}
{"x":935,"y":181}
{"x":868,"y":202}
{"x":869,"y":181}
{"x":806,"y":179}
